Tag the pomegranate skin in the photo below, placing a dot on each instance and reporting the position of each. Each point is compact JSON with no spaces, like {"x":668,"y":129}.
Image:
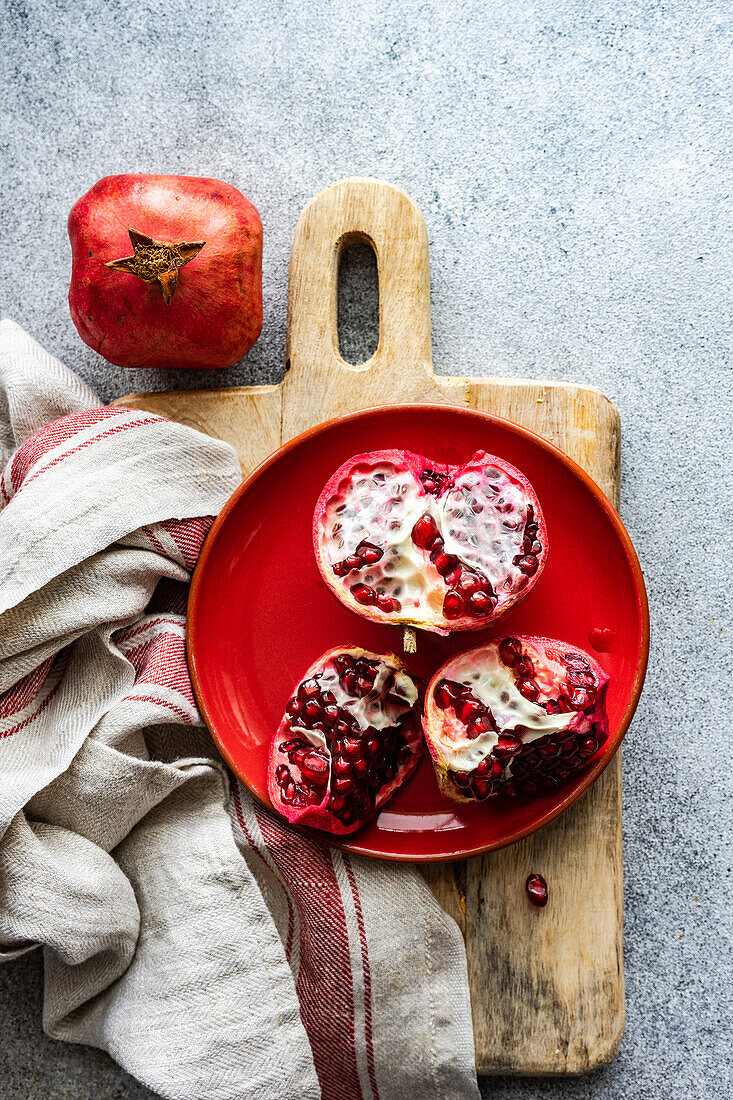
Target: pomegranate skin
{"x":514,"y":716}
{"x":215,"y":315}
{"x":486,"y":501}
{"x":333,"y":778}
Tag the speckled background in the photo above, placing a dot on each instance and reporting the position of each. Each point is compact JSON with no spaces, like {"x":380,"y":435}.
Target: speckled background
{"x":572,"y":160}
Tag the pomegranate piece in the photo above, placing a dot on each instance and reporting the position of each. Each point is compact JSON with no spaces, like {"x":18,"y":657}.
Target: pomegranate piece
{"x":401,"y":539}
{"x":349,"y":738}
{"x":536,"y":888}
{"x":166,"y":271}
{"x":514,"y":716}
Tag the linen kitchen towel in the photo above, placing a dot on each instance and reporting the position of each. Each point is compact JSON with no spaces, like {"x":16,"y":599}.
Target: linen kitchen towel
{"x":185,"y":930}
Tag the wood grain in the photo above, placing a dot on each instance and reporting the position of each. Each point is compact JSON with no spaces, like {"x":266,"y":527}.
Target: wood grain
{"x":547,"y":987}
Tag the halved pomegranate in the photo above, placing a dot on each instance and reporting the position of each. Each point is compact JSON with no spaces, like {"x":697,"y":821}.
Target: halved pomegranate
{"x":514,"y":716}
{"x":349,"y":738}
{"x":402,"y":539}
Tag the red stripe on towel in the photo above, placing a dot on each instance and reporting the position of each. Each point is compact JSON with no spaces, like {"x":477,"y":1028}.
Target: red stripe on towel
{"x":325,"y":986}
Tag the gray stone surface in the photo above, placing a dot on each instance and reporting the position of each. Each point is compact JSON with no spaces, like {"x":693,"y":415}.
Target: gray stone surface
{"x":571,"y":160}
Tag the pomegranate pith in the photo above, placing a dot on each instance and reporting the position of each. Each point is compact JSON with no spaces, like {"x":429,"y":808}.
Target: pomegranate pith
{"x":401,"y":539}
{"x":514,"y":716}
{"x":350,"y":736}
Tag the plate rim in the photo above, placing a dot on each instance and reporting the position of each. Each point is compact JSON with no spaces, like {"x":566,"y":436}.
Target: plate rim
{"x":575,"y":470}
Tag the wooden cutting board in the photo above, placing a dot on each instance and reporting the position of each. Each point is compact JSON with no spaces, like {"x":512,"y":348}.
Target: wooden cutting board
{"x":547,"y":987}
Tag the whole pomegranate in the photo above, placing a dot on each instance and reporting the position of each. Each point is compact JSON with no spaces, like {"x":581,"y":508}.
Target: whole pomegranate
{"x":350,"y":736}
{"x":402,"y":539}
{"x":166,"y":271}
{"x":514,"y":716}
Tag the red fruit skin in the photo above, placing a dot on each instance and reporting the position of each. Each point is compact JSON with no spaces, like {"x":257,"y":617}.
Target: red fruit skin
{"x":415,"y":464}
{"x":216,"y":312}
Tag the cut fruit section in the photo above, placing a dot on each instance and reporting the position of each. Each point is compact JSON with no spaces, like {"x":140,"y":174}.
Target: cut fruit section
{"x":403,"y":540}
{"x":514,"y":716}
{"x":350,"y":736}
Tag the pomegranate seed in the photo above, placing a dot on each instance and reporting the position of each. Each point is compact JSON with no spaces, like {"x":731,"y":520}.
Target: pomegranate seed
{"x":342,"y":662}
{"x":341,"y":767}
{"x":372,"y":746}
{"x":480,"y":603}
{"x":312,"y":711}
{"x":481,"y":725}
{"x":310,"y":689}
{"x":469,"y":709}
{"x":524,"y":669}
{"x":468,"y":583}
{"x":510,"y":651}
{"x":363,"y":686}
{"x":352,"y":748}
{"x":528,"y":564}
{"x":576,"y":661}
{"x":361,"y":766}
{"x":314,"y":768}
{"x":342,"y":727}
{"x":293,"y":708}
{"x":582,"y":698}
{"x":506,"y":747}
{"x":462,"y":779}
{"x":386,"y":603}
{"x":363,"y":594}
{"x":445,"y":563}
{"x":485,"y":768}
{"x":452,"y":605}
{"x":437,"y":548}
{"x":536,"y":888}
{"x":444,"y":695}
{"x":343,"y":786}
{"x":288,"y":790}
{"x":368,"y":554}
{"x":529,"y":689}
{"x":481,"y":788}
{"x":282,"y":773}
{"x":581,"y":679}
{"x":424,"y":532}
{"x":331,"y":715}
{"x":350,"y":681}
{"x":587,"y":747}
{"x":351,"y":562}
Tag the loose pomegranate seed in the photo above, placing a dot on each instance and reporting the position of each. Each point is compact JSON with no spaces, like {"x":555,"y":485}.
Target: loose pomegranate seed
{"x":536,"y":888}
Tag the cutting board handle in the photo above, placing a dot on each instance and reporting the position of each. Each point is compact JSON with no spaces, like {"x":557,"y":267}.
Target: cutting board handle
{"x":383,"y":216}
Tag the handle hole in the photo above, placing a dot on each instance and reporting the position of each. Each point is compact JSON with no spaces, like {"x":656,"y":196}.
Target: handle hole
{"x":358,"y":301}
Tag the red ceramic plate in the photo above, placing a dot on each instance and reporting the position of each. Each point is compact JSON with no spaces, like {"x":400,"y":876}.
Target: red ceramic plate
{"x":259,"y":613}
